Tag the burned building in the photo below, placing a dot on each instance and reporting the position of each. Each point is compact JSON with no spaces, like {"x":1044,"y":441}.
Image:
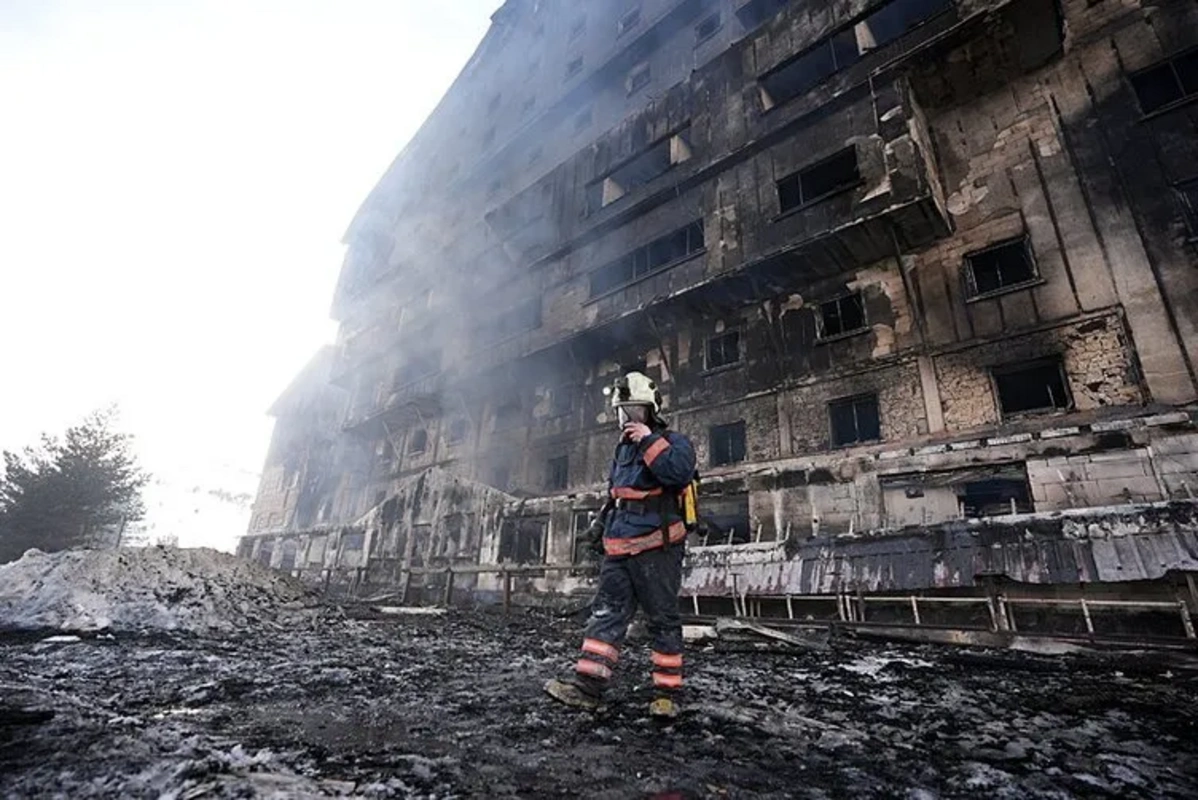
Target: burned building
{"x":918,"y":277}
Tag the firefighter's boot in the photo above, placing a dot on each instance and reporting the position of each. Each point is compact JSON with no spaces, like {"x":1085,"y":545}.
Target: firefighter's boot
{"x":663,"y":709}
{"x":574,"y":693}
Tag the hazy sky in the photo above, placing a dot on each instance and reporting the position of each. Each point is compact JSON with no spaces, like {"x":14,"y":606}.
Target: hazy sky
{"x":175,"y":179}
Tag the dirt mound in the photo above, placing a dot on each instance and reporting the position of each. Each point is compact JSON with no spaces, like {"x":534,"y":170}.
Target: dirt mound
{"x":150,"y":589}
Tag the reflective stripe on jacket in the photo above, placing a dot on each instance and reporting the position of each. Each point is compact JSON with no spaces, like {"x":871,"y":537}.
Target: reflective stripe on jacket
{"x":661,"y":465}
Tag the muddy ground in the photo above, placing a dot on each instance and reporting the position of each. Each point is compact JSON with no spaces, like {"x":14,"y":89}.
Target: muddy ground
{"x":451,"y":706}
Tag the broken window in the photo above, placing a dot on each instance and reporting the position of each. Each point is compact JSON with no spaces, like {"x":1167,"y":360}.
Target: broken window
{"x":842,"y":315}
{"x":418,"y":441}
{"x":638,"y":78}
{"x":723,"y":350}
{"x":642,"y":168}
{"x":657,"y":255}
{"x":561,"y":400}
{"x":355,"y":540}
{"x":756,"y":12}
{"x":457,"y":431}
{"x":1167,"y":83}
{"x":814,"y":183}
{"x":728,"y":443}
{"x":1001,"y":266}
{"x":1035,"y":386}
{"x":265,"y":550}
{"x":1187,"y":193}
{"x":844,"y":47}
{"x":708,"y":27}
{"x":993,"y":497}
{"x":287,"y":560}
{"x":521,"y":541}
{"x":573,"y":68}
{"x":525,"y":317}
{"x":628,"y":21}
{"x":855,"y":420}
{"x":894,"y":20}
{"x":582,"y":521}
{"x":557,"y":475}
{"x":727,"y":518}
{"x":809,"y":68}
{"x":508,"y":414}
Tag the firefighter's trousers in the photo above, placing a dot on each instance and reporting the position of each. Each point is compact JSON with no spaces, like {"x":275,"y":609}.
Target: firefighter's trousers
{"x":651,"y":580}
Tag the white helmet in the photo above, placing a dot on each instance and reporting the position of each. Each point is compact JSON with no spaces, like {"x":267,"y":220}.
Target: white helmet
{"x":635,"y":389}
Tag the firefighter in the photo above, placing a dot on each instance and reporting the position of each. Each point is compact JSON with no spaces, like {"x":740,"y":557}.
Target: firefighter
{"x":643,"y":537}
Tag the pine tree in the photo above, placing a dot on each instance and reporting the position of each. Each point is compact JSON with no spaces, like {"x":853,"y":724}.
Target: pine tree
{"x":79,"y":490}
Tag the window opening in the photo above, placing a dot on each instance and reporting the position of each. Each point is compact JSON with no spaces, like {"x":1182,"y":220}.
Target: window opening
{"x":993,"y":497}
{"x":708,"y":27}
{"x":639,"y":78}
{"x":629,"y":21}
{"x":723,"y":350}
{"x":418,"y":442}
{"x":999,"y":267}
{"x":655,"y":160}
{"x":855,"y":420}
{"x":842,"y":315}
{"x":657,"y":255}
{"x":1166,"y":83}
{"x":1036,"y":386}
{"x":820,"y":180}
{"x":457,"y":431}
{"x":728,"y":443}
{"x":561,"y":400}
{"x":522,"y":541}
{"x":558,"y":473}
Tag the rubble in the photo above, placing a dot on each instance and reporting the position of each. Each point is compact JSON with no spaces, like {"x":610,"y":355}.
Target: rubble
{"x":144,"y":589}
{"x":451,"y":706}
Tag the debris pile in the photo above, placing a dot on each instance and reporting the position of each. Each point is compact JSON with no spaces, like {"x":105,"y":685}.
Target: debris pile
{"x":146,"y":589}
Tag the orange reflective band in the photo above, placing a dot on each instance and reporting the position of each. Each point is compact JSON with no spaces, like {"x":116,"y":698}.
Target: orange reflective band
{"x":629,"y":493}
{"x":654,"y":450}
{"x":593,"y":668}
{"x":639,"y":544}
{"x":667,"y":681}
{"x":667,"y":660}
{"x":600,"y":648}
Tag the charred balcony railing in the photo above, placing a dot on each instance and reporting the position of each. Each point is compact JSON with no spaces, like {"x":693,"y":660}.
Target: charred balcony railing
{"x":418,"y":397}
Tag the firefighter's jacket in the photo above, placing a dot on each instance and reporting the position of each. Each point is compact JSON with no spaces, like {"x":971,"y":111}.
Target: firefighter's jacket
{"x":646,"y":478}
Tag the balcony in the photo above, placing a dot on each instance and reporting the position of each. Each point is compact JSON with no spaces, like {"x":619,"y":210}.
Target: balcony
{"x":398,"y":406}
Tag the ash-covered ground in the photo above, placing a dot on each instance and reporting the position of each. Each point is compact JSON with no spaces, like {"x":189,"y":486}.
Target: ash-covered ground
{"x":451,"y":706}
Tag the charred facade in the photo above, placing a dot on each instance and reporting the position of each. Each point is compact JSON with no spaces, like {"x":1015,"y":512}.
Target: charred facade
{"x":915,"y":276}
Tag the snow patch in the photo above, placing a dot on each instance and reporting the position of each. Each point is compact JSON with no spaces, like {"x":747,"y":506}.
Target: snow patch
{"x":139,"y":589}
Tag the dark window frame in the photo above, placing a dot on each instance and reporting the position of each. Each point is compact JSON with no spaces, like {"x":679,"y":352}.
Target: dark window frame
{"x":638,"y":262}
{"x":558,"y":408}
{"x":821,"y":319}
{"x":451,"y":435}
{"x":700,"y":36}
{"x":723,"y":336}
{"x":855,"y":402}
{"x":419,"y":435}
{"x":557,"y":473}
{"x":594,"y":189}
{"x":843,"y":33}
{"x":1008,"y":370}
{"x":639,"y":77}
{"x":1187,"y":197}
{"x":628,"y":20}
{"x":1186,"y":94}
{"x":797,"y":176}
{"x":737,"y":445}
{"x":1034,"y":278}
